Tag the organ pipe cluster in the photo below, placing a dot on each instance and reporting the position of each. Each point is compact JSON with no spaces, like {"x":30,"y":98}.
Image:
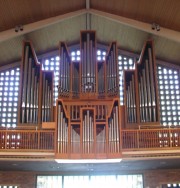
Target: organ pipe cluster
{"x":88,"y":115}
{"x":114,"y":136}
{"x":130,"y":96}
{"x":47,"y":96}
{"x":88,"y":77}
{"x":141,"y":98}
{"x":62,"y":136}
{"x":147,"y":88}
{"x":30,"y":87}
{"x":88,"y":130}
{"x":88,"y":63}
{"x":36,"y":90}
{"x":112,"y":87}
{"x":101,"y":79}
{"x":64,"y":87}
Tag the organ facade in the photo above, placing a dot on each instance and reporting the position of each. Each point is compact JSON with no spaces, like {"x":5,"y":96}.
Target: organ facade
{"x":88,"y":120}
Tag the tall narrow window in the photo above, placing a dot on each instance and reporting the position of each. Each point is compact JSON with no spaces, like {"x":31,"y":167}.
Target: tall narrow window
{"x":9,"y":90}
{"x":169,"y":93}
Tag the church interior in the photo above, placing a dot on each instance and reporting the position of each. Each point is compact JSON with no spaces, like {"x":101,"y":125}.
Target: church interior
{"x":89,"y":94}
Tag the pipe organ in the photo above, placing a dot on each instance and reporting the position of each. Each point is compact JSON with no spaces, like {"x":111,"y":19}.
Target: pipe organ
{"x":88,"y":118}
{"x":36,"y":90}
{"x":88,"y":110}
{"x":141,"y":95}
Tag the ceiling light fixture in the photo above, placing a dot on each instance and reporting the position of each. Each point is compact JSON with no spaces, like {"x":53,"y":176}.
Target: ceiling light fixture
{"x":88,"y":160}
{"x":18,"y":28}
{"x":155,"y":26}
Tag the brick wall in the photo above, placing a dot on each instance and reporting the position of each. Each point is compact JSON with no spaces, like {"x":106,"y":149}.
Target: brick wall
{"x":152,"y":179}
{"x":23,"y":179}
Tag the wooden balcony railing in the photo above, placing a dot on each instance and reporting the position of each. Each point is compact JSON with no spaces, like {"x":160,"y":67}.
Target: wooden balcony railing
{"x":43,"y":140}
{"x":150,"y":138}
{"x":36,"y":140}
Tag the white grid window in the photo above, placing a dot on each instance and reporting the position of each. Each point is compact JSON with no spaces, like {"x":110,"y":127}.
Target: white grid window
{"x":101,"y":55}
{"x":169,"y":94}
{"x":9,"y":91}
{"x":125,"y":63}
{"x":52,"y":64}
{"x":76,"y":55}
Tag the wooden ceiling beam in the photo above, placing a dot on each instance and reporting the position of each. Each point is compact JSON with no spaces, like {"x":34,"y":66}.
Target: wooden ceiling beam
{"x":147,"y":27}
{"x":9,"y":34}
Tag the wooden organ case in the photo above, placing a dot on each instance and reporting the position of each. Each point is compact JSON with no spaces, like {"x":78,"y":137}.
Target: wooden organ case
{"x":141,"y":91}
{"x":88,"y":107}
{"x":88,"y":118}
{"x":36,"y":91}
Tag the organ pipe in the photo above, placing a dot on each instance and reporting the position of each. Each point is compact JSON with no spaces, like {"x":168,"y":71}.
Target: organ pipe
{"x":36,"y":90}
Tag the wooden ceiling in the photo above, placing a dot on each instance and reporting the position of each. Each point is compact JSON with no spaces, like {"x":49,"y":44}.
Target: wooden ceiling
{"x":164,"y":12}
{"x":46,"y":22}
